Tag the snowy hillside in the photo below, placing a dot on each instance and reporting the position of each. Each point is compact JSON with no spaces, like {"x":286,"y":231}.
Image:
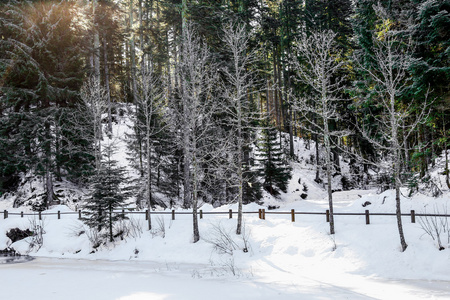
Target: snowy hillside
{"x":279,"y":253}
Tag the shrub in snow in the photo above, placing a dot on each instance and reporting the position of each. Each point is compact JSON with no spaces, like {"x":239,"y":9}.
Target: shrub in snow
{"x":17,"y":234}
{"x":128,"y":228}
{"x":160,"y":229}
{"x":347,"y":184}
{"x":437,"y":227}
{"x":304,"y":195}
{"x":37,"y":238}
{"x":224,"y":243}
{"x":94,"y":237}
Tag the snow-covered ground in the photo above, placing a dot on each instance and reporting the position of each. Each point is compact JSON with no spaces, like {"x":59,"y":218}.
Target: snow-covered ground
{"x":68,"y":279}
{"x":285,"y":260}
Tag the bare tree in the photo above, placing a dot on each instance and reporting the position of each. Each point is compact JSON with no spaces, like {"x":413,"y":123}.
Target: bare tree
{"x":94,"y":98}
{"x":149,"y":121}
{"x":241,"y":81}
{"x":193,"y":109}
{"x":397,"y":121}
{"x":316,"y":65}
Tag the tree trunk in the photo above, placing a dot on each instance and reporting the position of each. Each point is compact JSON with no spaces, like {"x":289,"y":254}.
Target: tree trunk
{"x":267,"y":91}
{"x":183,"y":14}
{"x":398,"y":208}
{"x":132,"y":55}
{"x":194,"y":205}
{"x":186,"y":170}
{"x":141,"y":36}
{"x":57,"y":151}
{"x":334,"y":150}
{"x":108,"y":92}
{"x":447,"y":176}
{"x":326,"y":139}
{"x":396,"y":166}
{"x":291,"y":135}
{"x":287,"y":83}
{"x":149,"y":177}
{"x":275,"y":88}
{"x":405,"y":146}
{"x":295,"y":123}
{"x":447,"y":179}
{"x":239,"y":167}
{"x":316,"y":139}
{"x":49,"y":186}
{"x":96,"y":43}
{"x":110,"y":225}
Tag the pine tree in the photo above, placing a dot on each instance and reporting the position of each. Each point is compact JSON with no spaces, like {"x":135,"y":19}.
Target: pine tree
{"x":41,"y":71}
{"x":274,"y":169}
{"x":106,"y":195}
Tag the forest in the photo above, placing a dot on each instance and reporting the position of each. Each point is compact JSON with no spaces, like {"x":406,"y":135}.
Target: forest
{"x":210,"y":88}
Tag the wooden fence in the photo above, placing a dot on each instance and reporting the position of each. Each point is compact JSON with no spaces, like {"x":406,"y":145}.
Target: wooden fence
{"x":261,"y":214}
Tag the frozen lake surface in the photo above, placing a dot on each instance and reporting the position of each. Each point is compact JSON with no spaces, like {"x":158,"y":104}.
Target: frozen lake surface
{"x":50,"y":278}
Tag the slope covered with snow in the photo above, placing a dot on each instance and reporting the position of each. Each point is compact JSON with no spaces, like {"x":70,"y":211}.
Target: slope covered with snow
{"x":292,"y":257}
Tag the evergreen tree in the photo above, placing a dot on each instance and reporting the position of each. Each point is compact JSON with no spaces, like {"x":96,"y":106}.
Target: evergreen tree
{"x":107,"y":194}
{"x":274,"y":169}
{"x":41,"y":71}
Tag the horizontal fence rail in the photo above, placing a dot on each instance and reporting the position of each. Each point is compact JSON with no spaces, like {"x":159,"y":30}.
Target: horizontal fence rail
{"x":261,"y":214}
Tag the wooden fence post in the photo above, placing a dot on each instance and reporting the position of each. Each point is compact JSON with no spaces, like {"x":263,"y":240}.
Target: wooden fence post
{"x":260,"y":213}
{"x":327,"y":213}
{"x":79,"y":214}
{"x":40,"y":215}
{"x":230,"y":214}
{"x":201,"y":214}
{"x":263,"y":213}
{"x":173,"y":214}
{"x":367,"y":217}
{"x":413,"y":216}
{"x":292,"y":215}
{"x":146,"y":215}
{"x":59,"y":215}
{"x":5,"y":214}
{"x":21,"y":214}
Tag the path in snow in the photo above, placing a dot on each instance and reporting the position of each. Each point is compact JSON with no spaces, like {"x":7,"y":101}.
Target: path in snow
{"x":49,"y":279}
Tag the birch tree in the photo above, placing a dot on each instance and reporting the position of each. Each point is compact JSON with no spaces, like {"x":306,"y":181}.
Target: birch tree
{"x":149,"y":121}
{"x":94,"y":98}
{"x":193,"y":111}
{"x":316,"y":65}
{"x":241,"y":81}
{"x":397,"y":120}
